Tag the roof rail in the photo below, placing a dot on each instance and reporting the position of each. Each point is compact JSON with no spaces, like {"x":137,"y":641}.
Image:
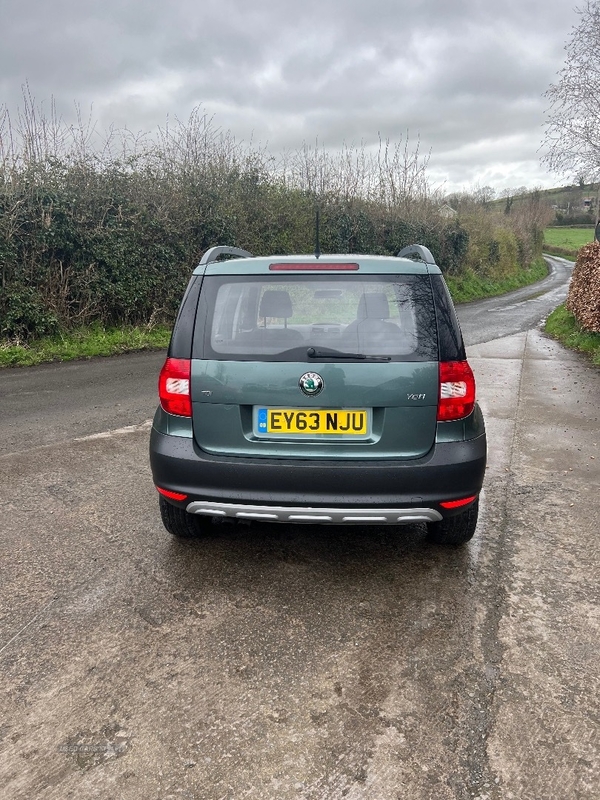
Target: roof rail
{"x":213,"y":254}
{"x":421,"y":252}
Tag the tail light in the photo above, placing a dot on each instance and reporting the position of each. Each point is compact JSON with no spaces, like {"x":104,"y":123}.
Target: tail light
{"x":457,"y":390}
{"x":174,"y":387}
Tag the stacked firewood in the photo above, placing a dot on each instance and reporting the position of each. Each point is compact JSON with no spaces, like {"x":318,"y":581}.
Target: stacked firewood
{"x":584,"y":293}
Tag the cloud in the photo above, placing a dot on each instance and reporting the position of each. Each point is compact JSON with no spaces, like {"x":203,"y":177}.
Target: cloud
{"x":466,"y":77}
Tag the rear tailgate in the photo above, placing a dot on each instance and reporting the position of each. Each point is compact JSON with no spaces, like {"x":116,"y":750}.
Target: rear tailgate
{"x":397,"y":402}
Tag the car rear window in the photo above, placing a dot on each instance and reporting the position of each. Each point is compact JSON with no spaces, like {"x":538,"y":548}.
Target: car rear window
{"x":272,"y":318}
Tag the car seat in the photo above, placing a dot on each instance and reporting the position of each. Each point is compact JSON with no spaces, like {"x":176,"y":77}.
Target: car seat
{"x":277,"y":304}
{"x":371,"y":330}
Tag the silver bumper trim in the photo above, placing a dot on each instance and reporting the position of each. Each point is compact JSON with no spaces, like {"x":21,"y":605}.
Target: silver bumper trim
{"x":335,"y":516}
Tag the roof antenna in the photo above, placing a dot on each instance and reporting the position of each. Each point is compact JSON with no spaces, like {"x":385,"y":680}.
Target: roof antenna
{"x":317,"y":244}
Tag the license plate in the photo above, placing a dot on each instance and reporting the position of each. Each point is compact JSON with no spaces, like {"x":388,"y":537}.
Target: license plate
{"x":298,"y":422}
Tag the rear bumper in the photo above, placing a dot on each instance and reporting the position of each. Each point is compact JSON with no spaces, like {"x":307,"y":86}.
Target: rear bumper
{"x":286,"y":488}
{"x":317,"y":516}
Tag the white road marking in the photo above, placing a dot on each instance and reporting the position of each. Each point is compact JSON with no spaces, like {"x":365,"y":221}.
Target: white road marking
{"x":116,"y":432}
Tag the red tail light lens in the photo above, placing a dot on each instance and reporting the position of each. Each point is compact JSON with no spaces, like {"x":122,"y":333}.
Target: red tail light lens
{"x":457,"y":390}
{"x":174,"y":387}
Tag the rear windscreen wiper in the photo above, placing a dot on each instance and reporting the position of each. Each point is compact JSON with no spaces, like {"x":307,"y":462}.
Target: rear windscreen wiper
{"x":312,"y":353}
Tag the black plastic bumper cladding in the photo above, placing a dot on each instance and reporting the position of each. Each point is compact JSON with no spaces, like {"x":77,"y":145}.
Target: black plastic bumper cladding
{"x":451,"y":471}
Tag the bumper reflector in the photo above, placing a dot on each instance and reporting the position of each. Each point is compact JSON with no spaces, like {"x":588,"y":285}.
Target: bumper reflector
{"x":458,"y":503}
{"x":171,"y":495}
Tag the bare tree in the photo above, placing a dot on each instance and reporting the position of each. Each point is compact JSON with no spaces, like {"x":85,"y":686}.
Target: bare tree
{"x":484,"y":194}
{"x":573,"y":123}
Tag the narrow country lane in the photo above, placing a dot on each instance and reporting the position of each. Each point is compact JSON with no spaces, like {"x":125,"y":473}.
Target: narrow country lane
{"x":298,"y":662}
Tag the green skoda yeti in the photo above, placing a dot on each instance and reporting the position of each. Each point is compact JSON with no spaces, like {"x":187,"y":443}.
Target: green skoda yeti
{"x":324,"y":390}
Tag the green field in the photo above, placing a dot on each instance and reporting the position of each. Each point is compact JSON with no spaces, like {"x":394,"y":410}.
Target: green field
{"x":568,"y":238}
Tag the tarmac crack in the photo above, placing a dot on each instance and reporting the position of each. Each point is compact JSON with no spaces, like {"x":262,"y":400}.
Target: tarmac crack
{"x":482,"y":782}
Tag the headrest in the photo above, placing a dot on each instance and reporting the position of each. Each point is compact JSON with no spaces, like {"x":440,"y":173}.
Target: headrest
{"x":276,"y":304}
{"x":373,"y":305}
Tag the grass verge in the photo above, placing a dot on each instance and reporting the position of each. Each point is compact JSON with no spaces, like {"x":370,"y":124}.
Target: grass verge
{"x":473,"y":286}
{"x":84,"y":343}
{"x":562,"y":325}
{"x":98,"y":341}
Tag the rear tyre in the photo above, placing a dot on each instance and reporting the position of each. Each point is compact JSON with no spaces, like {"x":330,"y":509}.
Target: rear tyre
{"x":179,"y":523}
{"x":454,"y":530}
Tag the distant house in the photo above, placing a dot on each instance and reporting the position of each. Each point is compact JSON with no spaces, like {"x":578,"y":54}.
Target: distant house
{"x":447,"y":211}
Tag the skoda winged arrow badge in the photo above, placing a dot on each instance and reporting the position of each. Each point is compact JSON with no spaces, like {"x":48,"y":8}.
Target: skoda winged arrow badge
{"x":311,"y":383}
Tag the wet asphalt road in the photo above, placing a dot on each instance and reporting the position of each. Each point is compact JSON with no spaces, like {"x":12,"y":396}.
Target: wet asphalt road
{"x":519,"y":311}
{"x":296,"y":662}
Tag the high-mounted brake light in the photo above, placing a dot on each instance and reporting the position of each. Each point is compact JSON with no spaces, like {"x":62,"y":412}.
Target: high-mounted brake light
{"x":174,"y":387}
{"x":458,"y":503}
{"x":316,"y":265}
{"x":457,"y":391}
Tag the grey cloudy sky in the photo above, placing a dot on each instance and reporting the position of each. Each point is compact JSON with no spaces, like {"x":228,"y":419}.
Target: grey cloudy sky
{"x":464,"y":76}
